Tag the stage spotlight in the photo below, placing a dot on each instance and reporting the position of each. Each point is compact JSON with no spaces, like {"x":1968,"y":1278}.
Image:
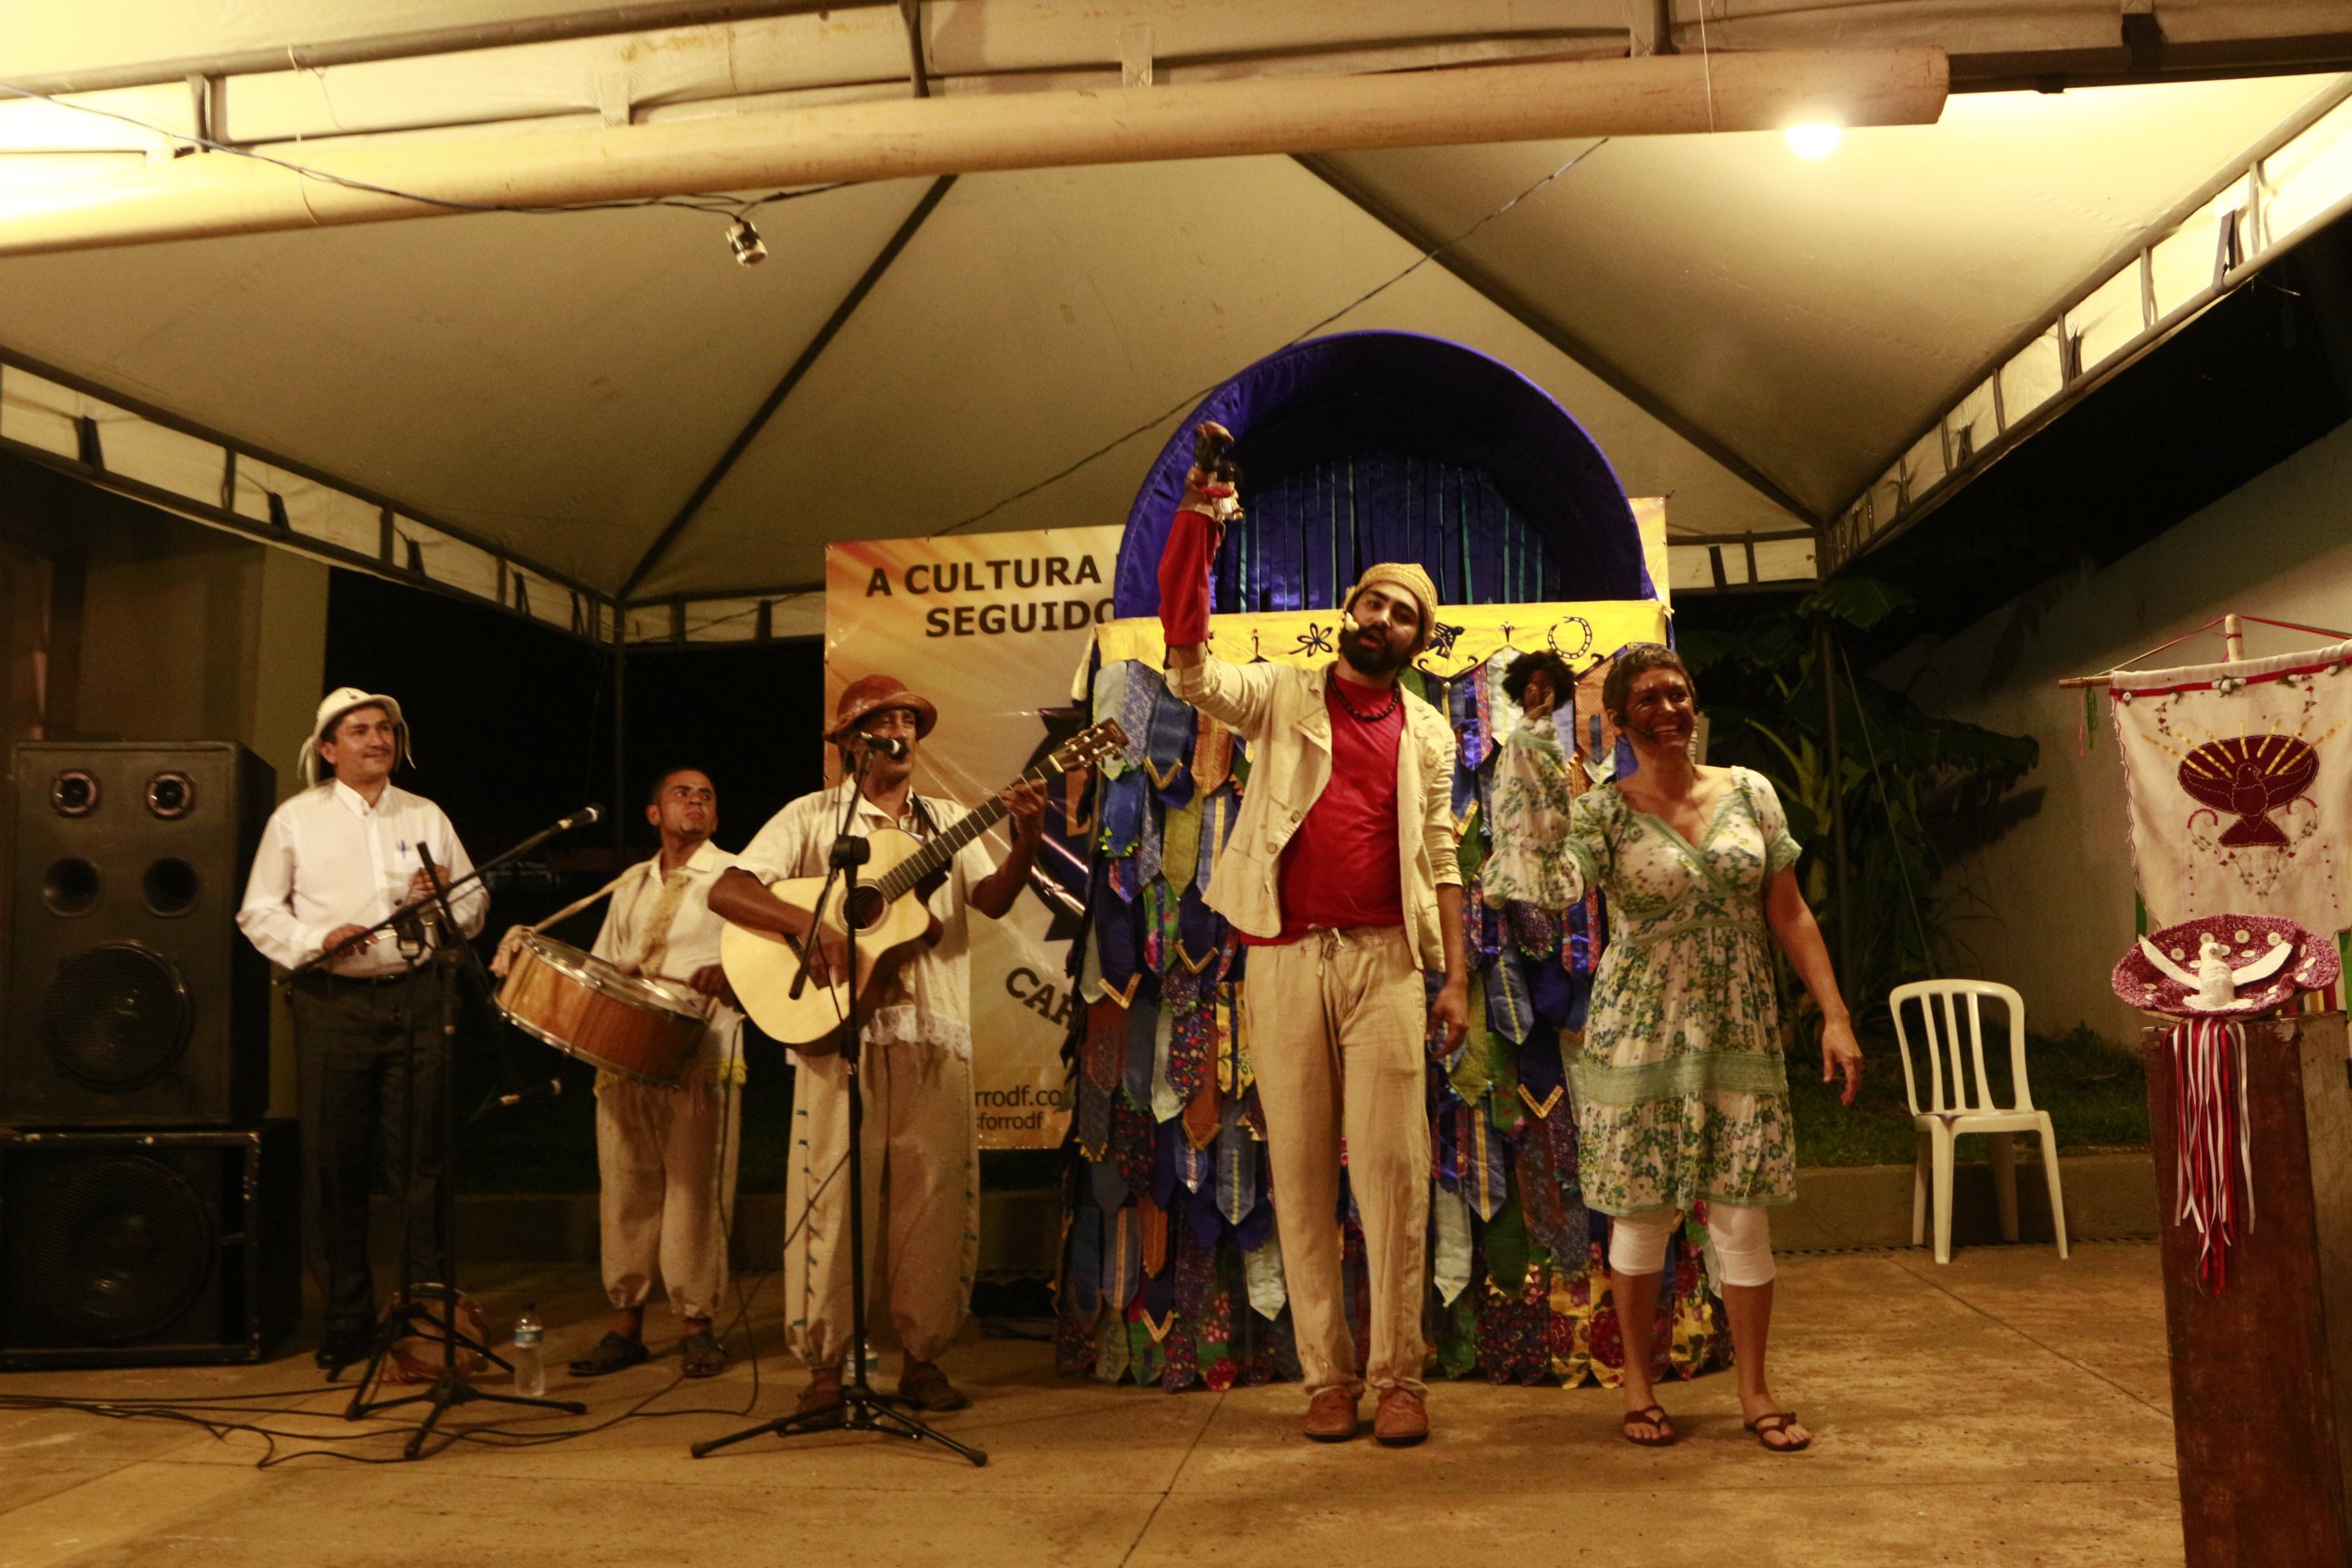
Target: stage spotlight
{"x":745,"y":242}
{"x":1815,"y":140}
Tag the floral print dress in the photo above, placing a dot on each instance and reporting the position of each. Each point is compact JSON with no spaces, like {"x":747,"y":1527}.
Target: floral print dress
{"x":1681,"y":1090}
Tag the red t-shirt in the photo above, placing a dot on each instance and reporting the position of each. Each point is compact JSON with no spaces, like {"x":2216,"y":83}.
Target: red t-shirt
{"x":1341,"y":868}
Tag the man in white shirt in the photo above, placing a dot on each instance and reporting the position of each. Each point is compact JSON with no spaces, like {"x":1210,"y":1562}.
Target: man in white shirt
{"x":371,"y":1014}
{"x":916,"y":1071}
{"x":667,"y":1153}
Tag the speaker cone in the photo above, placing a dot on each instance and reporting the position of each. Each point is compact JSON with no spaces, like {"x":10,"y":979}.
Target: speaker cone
{"x":120,"y":1246}
{"x":115,"y":1016}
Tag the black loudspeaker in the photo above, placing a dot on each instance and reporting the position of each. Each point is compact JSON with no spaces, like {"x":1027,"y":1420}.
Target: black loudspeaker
{"x":133,"y":1000}
{"x":148,"y":1249}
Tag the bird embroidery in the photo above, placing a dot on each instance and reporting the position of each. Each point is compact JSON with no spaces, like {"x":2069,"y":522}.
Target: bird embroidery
{"x":2213,"y":986}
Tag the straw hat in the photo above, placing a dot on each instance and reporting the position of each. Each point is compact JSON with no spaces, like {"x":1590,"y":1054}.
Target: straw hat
{"x":870,"y":695}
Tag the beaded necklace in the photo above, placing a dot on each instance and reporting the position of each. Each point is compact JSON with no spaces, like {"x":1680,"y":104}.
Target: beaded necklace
{"x":1396,"y":695}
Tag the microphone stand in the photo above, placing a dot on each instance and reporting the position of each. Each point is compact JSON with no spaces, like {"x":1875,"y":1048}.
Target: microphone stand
{"x":861,"y":1408}
{"x":451,"y":1388}
{"x":439,"y":897}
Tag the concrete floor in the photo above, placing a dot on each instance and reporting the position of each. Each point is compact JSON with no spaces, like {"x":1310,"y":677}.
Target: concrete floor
{"x":2008,"y":1408}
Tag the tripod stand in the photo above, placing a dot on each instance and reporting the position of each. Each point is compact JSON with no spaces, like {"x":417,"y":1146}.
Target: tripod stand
{"x":411,"y":1314}
{"x":861,"y":1409}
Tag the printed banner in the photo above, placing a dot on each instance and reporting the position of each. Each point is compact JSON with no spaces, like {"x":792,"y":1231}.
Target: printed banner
{"x":2239,"y":782}
{"x":989,"y":627}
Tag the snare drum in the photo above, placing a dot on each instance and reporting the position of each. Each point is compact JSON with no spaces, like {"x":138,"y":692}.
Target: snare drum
{"x":644,"y":1029}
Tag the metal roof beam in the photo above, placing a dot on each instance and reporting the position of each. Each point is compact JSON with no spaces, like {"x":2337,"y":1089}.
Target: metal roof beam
{"x":1524,"y":311}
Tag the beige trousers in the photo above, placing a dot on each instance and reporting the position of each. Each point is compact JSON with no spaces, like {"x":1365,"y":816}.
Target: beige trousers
{"x":922,"y":1203}
{"x":1336,"y":1023}
{"x":666,"y":1160}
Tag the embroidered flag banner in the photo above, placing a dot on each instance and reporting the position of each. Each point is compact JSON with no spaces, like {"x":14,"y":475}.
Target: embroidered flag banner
{"x":2239,"y":782}
{"x":989,"y":627}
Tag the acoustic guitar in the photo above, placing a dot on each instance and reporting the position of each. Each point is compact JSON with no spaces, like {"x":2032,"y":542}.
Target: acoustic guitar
{"x":891,"y":914}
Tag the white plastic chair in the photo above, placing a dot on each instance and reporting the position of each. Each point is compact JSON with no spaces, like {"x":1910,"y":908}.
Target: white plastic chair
{"x":1959,"y":1101}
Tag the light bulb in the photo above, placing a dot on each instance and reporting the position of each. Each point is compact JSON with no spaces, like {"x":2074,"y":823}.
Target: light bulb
{"x":1814,"y":140}
{"x":744,"y":241}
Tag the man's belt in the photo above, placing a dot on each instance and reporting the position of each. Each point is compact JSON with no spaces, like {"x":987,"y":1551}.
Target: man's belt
{"x":327,"y":979}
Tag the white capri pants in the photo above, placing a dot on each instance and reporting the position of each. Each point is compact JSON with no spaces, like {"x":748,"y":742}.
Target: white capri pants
{"x":1740,"y":1234}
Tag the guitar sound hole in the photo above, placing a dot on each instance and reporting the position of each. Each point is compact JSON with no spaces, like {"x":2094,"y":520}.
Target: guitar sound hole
{"x":866,"y":908}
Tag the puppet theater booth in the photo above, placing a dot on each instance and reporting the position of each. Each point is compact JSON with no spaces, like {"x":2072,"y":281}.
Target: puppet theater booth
{"x":1354,"y":450}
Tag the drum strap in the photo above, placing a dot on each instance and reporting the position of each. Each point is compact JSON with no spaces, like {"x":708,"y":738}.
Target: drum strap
{"x":573,"y":908}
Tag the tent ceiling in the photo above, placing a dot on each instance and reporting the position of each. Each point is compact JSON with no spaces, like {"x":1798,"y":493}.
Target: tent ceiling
{"x":1754,"y":336}
{"x":1813,"y":317}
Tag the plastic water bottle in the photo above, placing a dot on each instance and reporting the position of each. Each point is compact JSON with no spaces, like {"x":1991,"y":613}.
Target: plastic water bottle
{"x":530,"y":1366}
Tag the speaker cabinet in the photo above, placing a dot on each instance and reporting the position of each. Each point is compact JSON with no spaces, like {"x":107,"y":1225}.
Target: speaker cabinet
{"x":148,"y":1249}
{"x":132,"y":999}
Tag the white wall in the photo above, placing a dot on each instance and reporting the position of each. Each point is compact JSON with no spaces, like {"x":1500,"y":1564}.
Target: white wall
{"x":2281,"y":547}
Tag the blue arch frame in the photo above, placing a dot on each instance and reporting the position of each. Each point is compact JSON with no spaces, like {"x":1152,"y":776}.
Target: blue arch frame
{"x":1402,"y":392}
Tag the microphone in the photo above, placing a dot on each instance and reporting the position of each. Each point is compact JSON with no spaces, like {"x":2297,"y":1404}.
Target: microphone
{"x":889,"y":745}
{"x":581,"y":819}
{"x":537,"y":1091}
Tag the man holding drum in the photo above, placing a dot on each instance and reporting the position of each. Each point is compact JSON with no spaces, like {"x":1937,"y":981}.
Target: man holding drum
{"x":916,"y":1071}
{"x":371,"y":1020}
{"x":666,"y":1153}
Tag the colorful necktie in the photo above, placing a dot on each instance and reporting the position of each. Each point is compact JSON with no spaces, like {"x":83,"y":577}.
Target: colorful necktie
{"x":1449,"y":1224}
{"x":1130,"y":1146}
{"x":1111,"y":702}
{"x":1213,"y":756}
{"x":1509,"y":1011}
{"x":1142,"y":1024}
{"x":1168,"y":748}
{"x":1262,"y":1266}
{"x":1233,"y":1182}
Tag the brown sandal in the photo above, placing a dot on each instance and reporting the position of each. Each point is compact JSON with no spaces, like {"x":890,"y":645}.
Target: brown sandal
{"x":1767,"y":1428}
{"x":1652,"y":1416}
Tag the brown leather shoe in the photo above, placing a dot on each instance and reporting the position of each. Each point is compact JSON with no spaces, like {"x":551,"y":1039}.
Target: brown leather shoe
{"x":1401,"y":1420}
{"x":1331,"y":1416}
{"x":923,"y":1385}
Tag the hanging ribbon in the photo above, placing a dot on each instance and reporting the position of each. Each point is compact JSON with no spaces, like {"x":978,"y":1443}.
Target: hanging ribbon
{"x":2208,"y":1085}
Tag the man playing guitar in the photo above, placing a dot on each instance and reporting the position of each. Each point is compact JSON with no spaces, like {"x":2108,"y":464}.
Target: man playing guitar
{"x":916,"y":1071}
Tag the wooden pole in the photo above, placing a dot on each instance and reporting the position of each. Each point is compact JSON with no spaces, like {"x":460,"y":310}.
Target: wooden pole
{"x":2234,"y":639}
{"x":218,"y":194}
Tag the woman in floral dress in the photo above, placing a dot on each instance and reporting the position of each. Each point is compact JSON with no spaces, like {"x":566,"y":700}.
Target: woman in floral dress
{"x":1681,"y":1092}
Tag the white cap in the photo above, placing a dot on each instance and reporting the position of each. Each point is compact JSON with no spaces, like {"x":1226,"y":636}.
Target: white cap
{"x":332,"y":708}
